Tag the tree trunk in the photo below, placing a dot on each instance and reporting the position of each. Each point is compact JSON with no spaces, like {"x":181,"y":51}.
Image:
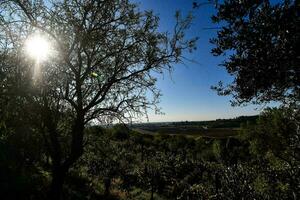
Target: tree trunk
{"x":59,"y":168}
{"x":152,"y":196}
{"x":107,"y":184}
{"x":58,"y":177}
{"x":142,"y":153}
{"x":152,"y":190}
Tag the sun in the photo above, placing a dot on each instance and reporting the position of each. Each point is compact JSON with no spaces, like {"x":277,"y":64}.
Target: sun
{"x":38,"y":47}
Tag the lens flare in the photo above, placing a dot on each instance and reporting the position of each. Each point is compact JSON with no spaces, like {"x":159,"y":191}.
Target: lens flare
{"x":38,"y":47}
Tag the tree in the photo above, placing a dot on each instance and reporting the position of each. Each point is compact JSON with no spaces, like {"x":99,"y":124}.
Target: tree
{"x":261,"y":39}
{"x":104,"y":56}
{"x":274,"y":141}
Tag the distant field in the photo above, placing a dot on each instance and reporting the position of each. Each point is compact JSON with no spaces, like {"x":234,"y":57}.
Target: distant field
{"x":219,"y":128}
{"x":194,"y":133}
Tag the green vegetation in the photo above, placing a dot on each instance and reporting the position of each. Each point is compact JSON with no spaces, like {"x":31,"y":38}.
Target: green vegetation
{"x":53,"y":144}
{"x":104,"y":55}
{"x":261,"y":162}
{"x":262,"y":38}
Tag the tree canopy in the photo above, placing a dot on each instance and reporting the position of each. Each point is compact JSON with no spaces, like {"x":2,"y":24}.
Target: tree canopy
{"x":103,"y":58}
{"x":261,"y":40}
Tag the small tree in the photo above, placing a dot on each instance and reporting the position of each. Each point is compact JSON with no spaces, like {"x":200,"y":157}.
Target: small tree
{"x":105,"y":53}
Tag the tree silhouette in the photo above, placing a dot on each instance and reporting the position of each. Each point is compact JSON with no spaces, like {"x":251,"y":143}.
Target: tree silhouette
{"x":261,"y":40}
{"x":105,"y":55}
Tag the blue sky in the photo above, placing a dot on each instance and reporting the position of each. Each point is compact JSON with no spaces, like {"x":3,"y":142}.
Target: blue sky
{"x":186,"y":93}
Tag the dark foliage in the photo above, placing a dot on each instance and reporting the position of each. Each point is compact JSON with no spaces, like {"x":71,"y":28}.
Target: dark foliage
{"x":104,"y":55}
{"x":261,"y":40}
{"x":261,"y":163}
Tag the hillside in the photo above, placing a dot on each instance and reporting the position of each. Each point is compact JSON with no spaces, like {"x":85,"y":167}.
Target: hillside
{"x":218,"y":128}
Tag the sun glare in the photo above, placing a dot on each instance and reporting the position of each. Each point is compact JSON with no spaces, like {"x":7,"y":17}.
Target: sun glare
{"x":37,"y":47}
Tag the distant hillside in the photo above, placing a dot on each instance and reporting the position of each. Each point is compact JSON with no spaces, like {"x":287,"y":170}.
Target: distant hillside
{"x":218,"y":123}
{"x":229,"y":123}
{"x":216,"y":128}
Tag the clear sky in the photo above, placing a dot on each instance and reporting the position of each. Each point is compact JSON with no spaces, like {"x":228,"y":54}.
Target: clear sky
{"x":186,"y":93}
